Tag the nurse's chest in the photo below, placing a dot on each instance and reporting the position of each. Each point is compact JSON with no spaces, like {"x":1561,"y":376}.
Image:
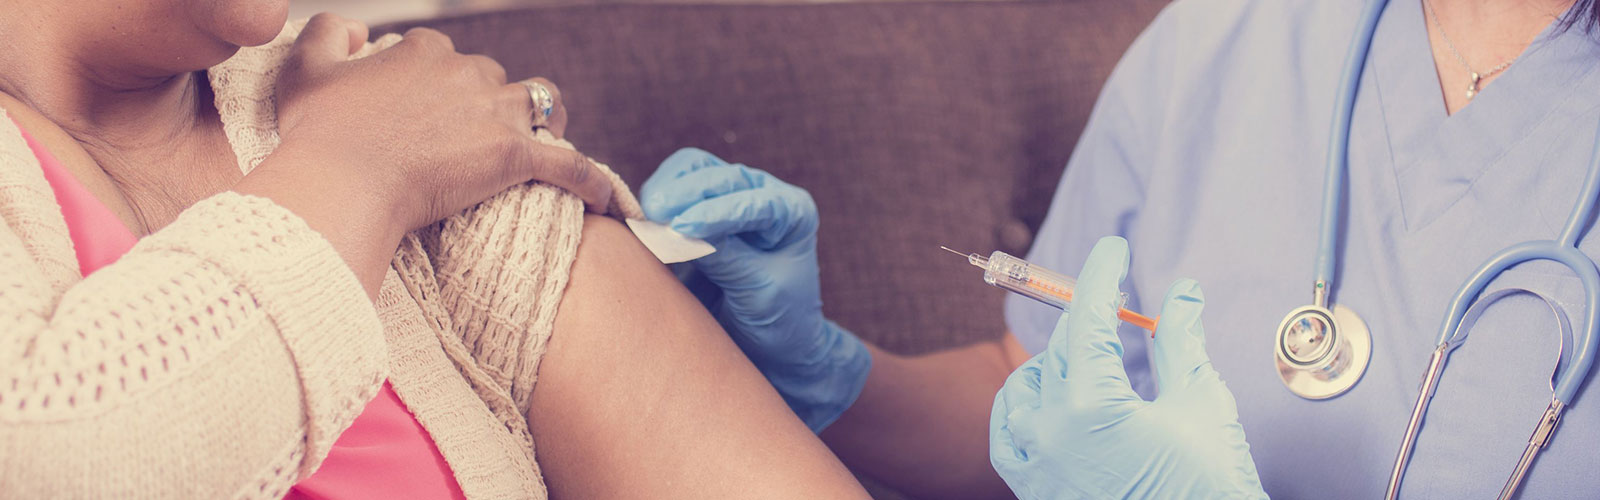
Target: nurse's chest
{"x":1248,"y":229}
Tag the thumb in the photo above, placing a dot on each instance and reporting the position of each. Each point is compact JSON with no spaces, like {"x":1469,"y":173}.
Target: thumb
{"x":1180,"y":345}
{"x":566,"y":169}
{"x":735,"y":267}
{"x":327,"y":39}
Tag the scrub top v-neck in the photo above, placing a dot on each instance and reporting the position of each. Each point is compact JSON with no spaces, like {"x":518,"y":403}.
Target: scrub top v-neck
{"x":1206,"y":151}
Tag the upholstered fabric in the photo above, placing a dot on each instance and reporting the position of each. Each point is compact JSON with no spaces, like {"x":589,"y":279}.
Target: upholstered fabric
{"x":913,"y":125}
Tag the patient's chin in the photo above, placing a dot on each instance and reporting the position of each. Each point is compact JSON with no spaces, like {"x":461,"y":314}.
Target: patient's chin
{"x":242,"y":23}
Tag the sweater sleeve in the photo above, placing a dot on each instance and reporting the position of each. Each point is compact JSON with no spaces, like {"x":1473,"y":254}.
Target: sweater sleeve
{"x":220,"y":357}
{"x":502,"y":268}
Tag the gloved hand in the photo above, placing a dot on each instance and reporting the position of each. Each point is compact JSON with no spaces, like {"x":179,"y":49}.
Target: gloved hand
{"x":765,"y":232}
{"x":1068,"y":425}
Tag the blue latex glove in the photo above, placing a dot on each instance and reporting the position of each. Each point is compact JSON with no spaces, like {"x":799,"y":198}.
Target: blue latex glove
{"x":765,"y":267}
{"x":1068,"y":425}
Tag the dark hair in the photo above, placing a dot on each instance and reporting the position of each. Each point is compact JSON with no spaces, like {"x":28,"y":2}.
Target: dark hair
{"x":1583,"y":14}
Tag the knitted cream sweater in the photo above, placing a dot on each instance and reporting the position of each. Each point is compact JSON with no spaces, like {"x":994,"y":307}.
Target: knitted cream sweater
{"x":225,"y":353}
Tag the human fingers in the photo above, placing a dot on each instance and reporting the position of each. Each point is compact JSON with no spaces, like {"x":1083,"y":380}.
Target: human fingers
{"x":326,"y":39}
{"x":676,"y":165}
{"x":358,"y":32}
{"x":731,"y":265}
{"x":667,"y":199}
{"x":489,"y":68}
{"x":427,"y":38}
{"x":565,"y":169}
{"x":773,"y":215}
{"x":1179,"y":353}
{"x":683,"y":161}
{"x":557,"y":122}
{"x":1017,"y":399}
{"x":1084,"y":352}
{"x":545,"y":106}
{"x":515,"y":106}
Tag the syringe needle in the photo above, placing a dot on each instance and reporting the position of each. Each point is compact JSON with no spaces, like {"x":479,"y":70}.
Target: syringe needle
{"x":972,"y":258}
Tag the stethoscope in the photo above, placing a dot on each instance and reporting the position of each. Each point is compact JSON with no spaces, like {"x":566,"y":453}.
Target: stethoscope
{"x":1323,"y":352}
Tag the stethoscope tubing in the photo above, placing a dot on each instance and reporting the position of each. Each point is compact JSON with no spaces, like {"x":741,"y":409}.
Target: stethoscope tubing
{"x":1583,"y":211}
{"x":1563,"y":249}
{"x":1583,"y":352}
{"x":1338,"y":159}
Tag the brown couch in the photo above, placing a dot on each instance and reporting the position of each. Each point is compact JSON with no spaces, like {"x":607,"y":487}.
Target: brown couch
{"x":913,"y":125}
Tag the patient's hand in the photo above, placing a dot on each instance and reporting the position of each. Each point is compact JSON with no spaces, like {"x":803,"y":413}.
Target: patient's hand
{"x":765,"y":231}
{"x":434,"y":131}
{"x":377,"y":146}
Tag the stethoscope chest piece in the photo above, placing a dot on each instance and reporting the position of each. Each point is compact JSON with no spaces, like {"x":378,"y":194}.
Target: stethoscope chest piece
{"x":1321,"y":353}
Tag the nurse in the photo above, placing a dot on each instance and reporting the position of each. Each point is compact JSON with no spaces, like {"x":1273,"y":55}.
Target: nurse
{"x":1471,"y":131}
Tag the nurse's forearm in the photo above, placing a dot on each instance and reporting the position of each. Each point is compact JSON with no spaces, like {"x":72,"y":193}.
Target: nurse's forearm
{"x":921,"y":424}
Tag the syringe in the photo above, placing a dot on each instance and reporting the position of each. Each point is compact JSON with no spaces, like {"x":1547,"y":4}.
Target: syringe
{"x":1022,"y":277}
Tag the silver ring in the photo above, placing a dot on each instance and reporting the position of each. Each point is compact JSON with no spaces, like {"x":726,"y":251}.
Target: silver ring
{"x":544,"y":102}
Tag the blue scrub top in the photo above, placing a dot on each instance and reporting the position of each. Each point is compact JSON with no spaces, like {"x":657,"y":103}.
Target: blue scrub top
{"x":1206,"y":151}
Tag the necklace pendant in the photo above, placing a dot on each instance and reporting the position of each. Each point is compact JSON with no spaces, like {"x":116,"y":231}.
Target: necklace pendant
{"x":1472,"y":88}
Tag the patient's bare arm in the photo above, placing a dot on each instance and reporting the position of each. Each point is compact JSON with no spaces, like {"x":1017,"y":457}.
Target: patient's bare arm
{"x":921,"y":424}
{"x":641,"y":394}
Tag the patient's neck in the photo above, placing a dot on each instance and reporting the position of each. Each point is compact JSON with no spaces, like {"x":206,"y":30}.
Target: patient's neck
{"x":82,"y":85}
{"x":152,"y":139}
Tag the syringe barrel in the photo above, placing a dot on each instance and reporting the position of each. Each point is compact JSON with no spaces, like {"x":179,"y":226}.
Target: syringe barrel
{"x":1038,"y":283}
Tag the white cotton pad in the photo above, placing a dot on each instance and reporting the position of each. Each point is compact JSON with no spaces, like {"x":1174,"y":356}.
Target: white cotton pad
{"x":670,"y":246}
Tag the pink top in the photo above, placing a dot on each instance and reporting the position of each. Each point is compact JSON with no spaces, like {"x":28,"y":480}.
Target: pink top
{"x":384,"y":454}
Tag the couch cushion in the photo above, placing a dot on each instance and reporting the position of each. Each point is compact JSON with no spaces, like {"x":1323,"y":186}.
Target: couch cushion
{"x":914,"y":125}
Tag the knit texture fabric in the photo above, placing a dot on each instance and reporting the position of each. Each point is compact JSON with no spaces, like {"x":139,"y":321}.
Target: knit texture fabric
{"x":225,"y":353}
